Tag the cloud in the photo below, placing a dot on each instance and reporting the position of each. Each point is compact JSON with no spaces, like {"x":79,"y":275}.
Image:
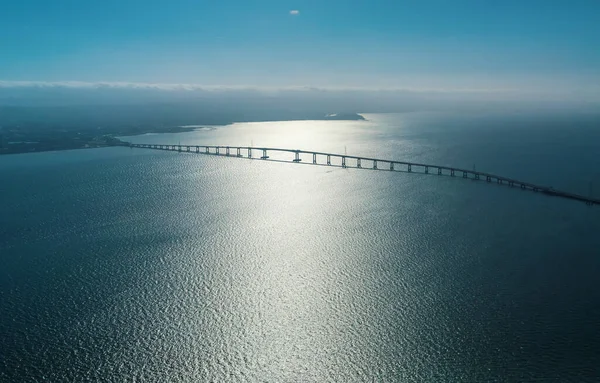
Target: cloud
{"x":294,"y":12}
{"x":225,"y":88}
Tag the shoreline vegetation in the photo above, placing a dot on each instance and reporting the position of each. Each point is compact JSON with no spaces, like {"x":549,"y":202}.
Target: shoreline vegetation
{"x":33,"y":138}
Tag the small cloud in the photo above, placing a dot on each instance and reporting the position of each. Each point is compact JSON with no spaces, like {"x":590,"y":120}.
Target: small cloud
{"x":294,"y":12}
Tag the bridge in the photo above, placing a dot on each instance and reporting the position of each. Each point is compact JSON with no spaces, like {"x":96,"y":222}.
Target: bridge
{"x":346,"y":161}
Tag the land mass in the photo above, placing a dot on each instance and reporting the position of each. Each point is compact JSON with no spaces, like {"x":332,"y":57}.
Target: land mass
{"x":50,"y":129}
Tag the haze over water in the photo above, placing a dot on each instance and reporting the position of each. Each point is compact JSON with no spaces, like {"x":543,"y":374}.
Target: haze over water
{"x":158,"y":266}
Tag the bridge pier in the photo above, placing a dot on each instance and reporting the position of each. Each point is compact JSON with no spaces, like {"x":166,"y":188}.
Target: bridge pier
{"x":409,"y":168}
{"x":264,"y":156}
{"x":343,"y":161}
{"x":452,"y":172}
{"x":197,"y":149}
{"x":227,"y":151}
{"x":426,"y":169}
{"x":297,"y":157}
{"x":374,"y":164}
{"x":189,"y":148}
{"x":217,"y":150}
{"x":358,"y":165}
{"x":523,"y":186}
{"x":249,"y":153}
{"x":314,"y":158}
{"x":179,"y":148}
{"x":499,"y":180}
{"x":391,"y":166}
{"x":476,"y":176}
{"x":511,"y":183}
{"x":465,"y":175}
{"x":439,"y":171}
{"x":239,"y":153}
{"x":328,"y":159}
{"x":488,"y":178}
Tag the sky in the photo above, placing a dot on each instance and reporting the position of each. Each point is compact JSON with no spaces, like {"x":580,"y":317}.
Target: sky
{"x":528,"y":46}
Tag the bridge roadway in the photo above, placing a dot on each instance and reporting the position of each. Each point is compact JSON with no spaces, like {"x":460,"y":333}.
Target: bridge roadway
{"x":356,"y":162}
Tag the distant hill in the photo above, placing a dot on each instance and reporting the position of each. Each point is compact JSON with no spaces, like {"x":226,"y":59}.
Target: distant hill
{"x":344,"y":116}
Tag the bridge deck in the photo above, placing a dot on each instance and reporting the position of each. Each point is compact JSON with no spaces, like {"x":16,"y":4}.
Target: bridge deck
{"x":236,"y":152}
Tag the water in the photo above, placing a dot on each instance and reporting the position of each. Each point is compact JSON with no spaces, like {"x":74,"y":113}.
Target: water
{"x":141,"y":265}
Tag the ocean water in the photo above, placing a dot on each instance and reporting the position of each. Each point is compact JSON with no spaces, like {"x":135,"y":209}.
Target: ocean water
{"x":126,"y":264}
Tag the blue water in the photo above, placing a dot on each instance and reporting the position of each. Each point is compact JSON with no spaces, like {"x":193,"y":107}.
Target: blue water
{"x":139,"y":265}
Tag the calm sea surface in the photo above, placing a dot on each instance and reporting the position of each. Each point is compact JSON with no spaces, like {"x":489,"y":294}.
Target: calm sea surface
{"x":139,"y":265}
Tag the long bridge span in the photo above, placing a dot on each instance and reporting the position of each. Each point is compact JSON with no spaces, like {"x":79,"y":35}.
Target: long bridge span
{"x":346,"y":161}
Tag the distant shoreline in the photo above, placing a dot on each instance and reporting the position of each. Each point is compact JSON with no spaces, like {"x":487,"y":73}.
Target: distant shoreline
{"x":45,"y":139}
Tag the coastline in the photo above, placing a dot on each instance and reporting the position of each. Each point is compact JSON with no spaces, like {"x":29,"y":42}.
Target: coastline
{"x":36,"y":140}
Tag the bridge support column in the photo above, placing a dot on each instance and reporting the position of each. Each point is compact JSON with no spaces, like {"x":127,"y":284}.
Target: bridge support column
{"x":314,"y":158}
{"x":488,"y":178}
{"x":499,"y":181}
{"x":452,"y":172}
{"x":465,"y":175}
{"x":216,"y":150}
{"x":188,"y":148}
{"x":264,"y":156}
{"x":239,"y":152}
{"x":343,"y":162}
{"x":328,"y":159}
{"x":227,"y":151}
{"x":511,"y":184}
{"x":249,"y":153}
{"x":391,"y":166}
{"x":297,"y":157}
{"x":197,"y":149}
{"x":523,"y":186}
{"x":358,"y":165}
{"x":179,"y":147}
{"x":374,"y":164}
{"x":426,"y":169}
{"x":409,"y":168}
{"x":476,"y":176}
{"x":440,"y":171}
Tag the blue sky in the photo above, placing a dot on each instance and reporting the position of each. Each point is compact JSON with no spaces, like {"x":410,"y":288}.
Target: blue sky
{"x":429,"y":44}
